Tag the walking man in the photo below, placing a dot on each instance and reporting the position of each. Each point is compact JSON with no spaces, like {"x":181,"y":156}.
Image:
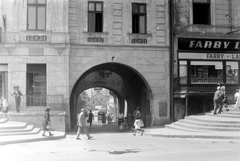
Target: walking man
{"x":217,"y":100}
{"x":82,"y":125}
{"x":90,"y":118}
{"x":17,"y":94}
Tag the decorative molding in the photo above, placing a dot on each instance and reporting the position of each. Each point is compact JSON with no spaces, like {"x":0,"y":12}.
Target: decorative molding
{"x":36,"y":38}
{"x":139,"y":41}
{"x":95,"y":39}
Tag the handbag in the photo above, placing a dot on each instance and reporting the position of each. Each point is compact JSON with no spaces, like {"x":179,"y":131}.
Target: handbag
{"x":88,"y":121}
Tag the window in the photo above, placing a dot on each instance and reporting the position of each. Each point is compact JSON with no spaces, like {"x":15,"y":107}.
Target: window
{"x":36,"y":15}
{"x":139,"y":18}
{"x":232,"y":72}
{"x":36,"y":84}
{"x":206,"y":72}
{"x":201,"y":12}
{"x":95,"y":16}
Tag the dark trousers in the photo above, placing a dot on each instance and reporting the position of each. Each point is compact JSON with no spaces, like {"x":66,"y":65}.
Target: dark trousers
{"x":18,"y":102}
{"x":217,"y":105}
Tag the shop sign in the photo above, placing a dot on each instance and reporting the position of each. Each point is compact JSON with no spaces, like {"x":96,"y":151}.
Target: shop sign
{"x":36,"y":38}
{"x":208,"y":44}
{"x":210,"y":56}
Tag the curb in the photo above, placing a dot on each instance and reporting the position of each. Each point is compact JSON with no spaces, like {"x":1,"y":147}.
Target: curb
{"x":33,"y":140}
{"x":191,"y":136}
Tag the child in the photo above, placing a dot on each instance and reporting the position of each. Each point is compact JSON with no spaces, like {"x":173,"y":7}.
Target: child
{"x":5,"y":109}
{"x":138,"y":124}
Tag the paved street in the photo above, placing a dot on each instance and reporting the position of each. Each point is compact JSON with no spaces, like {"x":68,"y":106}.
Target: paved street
{"x":124,"y":147}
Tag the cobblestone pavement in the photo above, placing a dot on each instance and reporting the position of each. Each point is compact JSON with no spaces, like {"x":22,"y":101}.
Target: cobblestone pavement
{"x":123,"y":147}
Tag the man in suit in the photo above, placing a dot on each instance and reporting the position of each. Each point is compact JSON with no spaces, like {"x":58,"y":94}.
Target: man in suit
{"x":217,"y":100}
{"x":82,"y":125}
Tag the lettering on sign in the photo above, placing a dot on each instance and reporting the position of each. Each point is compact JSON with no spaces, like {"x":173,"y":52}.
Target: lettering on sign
{"x":212,"y":56}
{"x":223,"y":56}
{"x":208,"y":44}
{"x":95,"y":39}
{"x":212,"y":44}
{"x":36,"y":38}
{"x":139,"y":41}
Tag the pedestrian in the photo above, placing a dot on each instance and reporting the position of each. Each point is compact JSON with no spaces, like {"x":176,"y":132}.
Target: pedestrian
{"x":17,"y":94}
{"x":130,"y":118}
{"x":236,"y":95}
{"x":217,"y":100}
{"x":223,"y":98}
{"x":90,"y":118}
{"x":120,"y":118}
{"x":47,"y":122}
{"x":81,"y":123}
{"x":237,"y":104}
{"x":138,"y":123}
{"x":5,"y":108}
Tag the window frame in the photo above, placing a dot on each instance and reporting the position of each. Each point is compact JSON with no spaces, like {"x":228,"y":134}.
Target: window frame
{"x":37,"y":5}
{"x":187,"y":80}
{"x":139,"y":14}
{"x":209,"y":4}
{"x":96,"y":12}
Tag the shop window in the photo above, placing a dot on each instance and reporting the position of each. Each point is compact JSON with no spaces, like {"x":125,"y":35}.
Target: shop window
{"x":36,"y":15}
{"x":201,"y":12}
{"x":183,"y":72}
{"x":139,"y":17}
{"x":95,"y":16}
{"x":206,"y":72}
{"x":231,"y":72}
{"x":36,"y":85}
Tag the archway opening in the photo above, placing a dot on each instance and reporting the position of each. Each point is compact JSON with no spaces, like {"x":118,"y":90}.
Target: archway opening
{"x":126,"y":83}
{"x":105,"y":108}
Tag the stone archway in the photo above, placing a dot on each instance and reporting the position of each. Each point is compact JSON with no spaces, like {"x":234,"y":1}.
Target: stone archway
{"x":124,"y":81}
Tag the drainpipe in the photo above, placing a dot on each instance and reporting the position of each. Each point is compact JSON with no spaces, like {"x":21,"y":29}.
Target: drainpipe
{"x":171,"y":49}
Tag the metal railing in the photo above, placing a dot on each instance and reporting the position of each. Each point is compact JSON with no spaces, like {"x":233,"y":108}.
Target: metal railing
{"x":37,"y":103}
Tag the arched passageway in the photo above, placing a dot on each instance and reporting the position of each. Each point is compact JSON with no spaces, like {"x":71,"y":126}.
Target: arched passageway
{"x":124,"y":81}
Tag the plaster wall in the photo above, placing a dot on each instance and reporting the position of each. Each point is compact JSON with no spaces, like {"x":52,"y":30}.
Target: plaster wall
{"x":151,"y":63}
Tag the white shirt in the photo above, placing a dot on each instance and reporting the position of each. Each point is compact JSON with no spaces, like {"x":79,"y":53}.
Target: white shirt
{"x":236,"y":95}
{"x":5,"y":103}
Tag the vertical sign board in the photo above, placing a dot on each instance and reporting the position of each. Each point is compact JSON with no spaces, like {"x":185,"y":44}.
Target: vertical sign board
{"x":162,"y":109}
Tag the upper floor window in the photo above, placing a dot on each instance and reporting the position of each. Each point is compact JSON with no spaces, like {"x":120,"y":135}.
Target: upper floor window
{"x":201,"y":12}
{"x":95,"y":16}
{"x":139,"y":17}
{"x":36,"y":15}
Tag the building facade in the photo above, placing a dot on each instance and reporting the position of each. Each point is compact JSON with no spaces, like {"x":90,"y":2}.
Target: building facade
{"x":55,"y":49}
{"x":206,"y":52}
{"x":122,"y":46}
{"x":34,"y":53}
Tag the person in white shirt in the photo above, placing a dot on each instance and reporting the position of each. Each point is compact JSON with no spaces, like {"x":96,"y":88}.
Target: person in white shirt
{"x":236,"y":95}
{"x":5,"y":109}
{"x":237,"y":99}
